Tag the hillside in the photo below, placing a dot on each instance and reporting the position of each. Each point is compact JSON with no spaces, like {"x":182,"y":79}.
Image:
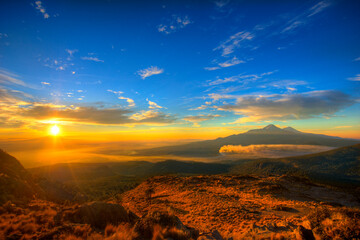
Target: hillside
{"x":267,"y":135}
{"x":246,"y":207}
{"x":337,"y":167}
{"x":15,"y":182}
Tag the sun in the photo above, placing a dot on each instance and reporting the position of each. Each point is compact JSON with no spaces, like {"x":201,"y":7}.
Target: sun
{"x":54,"y":130}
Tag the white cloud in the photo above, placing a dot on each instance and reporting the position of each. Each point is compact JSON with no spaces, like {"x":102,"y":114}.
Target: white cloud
{"x":144,"y":73}
{"x":153,"y":105}
{"x":320,"y":6}
{"x":356,"y":78}
{"x":211,"y":68}
{"x":95,"y":59}
{"x":272,"y":150}
{"x":238,"y":78}
{"x":41,"y":8}
{"x":234,"y":41}
{"x":231,"y":62}
{"x":303,"y":18}
{"x":174,"y":24}
{"x":45,"y":83}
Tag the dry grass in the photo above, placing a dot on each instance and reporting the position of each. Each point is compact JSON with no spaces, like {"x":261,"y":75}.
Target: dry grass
{"x":242,"y":207}
{"x":238,"y":207}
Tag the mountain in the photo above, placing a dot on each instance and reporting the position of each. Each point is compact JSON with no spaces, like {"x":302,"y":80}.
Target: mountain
{"x":15,"y":182}
{"x":267,"y":135}
{"x":69,"y":172}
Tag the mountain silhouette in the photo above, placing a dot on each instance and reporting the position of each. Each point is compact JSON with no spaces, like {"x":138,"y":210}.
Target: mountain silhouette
{"x":15,"y":181}
{"x":267,"y":135}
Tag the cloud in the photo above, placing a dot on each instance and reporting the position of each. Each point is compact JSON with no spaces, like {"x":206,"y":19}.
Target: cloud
{"x":200,"y":118}
{"x":232,"y":62}
{"x":289,"y":106}
{"x":271,"y":150}
{"x":357,"y":59}
{"x":320,"y":6}
{"x":356,"y":78}
{"x":45,"y":83}
{"x":233,"y":42}
{"x":221,"y":3}
{"x":303,"y":18}
{"x":20,"y":109}
{"x":8,"y":78}
{"x":41,"y":8}
{"x":71,"y":52}
{"x":285,"y":84}
{"x":211,"y":68}
{"x":153,"y":117}
{"x":129,"y":100}
{"x":94,"y":59}
{"x":174,"y":24}
{"x":153,"y":105}
{"x":238,"y":78}
{"x":145,"y":73}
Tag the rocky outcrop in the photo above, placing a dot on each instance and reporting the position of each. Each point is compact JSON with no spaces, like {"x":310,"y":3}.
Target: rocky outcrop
{"x":97,"y":214}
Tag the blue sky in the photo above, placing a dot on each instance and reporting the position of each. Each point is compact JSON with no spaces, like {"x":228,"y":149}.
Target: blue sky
{"x":185,"y":64}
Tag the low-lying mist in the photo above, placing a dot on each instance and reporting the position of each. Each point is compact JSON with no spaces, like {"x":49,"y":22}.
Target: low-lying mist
{"x":270,"y":150}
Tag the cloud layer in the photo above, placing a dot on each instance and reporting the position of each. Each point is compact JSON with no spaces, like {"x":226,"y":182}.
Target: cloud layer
{"x":289,"y":106}
{"x":271,"y":151}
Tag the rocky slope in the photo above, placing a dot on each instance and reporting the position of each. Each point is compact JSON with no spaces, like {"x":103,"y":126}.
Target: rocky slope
{"x":240,"y":206}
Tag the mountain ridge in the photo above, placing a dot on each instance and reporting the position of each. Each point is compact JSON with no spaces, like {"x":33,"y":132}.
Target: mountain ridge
{"x":268,"y":135}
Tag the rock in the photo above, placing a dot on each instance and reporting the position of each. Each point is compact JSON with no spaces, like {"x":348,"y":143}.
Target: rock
{"x":97,"y":214}
{"x":145,"y":226}
{"x":214,"y":235}
{"x":304,"y":234}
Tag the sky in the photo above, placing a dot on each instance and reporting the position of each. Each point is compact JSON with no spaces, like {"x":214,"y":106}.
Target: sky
{"x":178,"y":70}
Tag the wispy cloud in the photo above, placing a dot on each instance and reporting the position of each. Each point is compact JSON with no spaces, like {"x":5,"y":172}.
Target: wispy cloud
{"x":174,"y":24}
{"x":233,"y":42}
{"x":145,"y":73}
{"x":221,"y":3}
{"x":303,"y":18}
{"x":320,"y":6}
{"x":356,"y":78}
{"x":40,"y":7}
{"x":229,"y":63}
{"x":94,"y":59}
{"x":238,"y":78}
{"x":8,"y":78}
{"x":45,"y":83}
{"x":289,"y":106}
{"x":357,"y":59}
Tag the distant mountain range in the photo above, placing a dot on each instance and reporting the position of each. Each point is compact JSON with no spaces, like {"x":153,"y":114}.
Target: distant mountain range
{"x":59,"y":182}
{"x":336,"y":166}
{"x":267,"y":135}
